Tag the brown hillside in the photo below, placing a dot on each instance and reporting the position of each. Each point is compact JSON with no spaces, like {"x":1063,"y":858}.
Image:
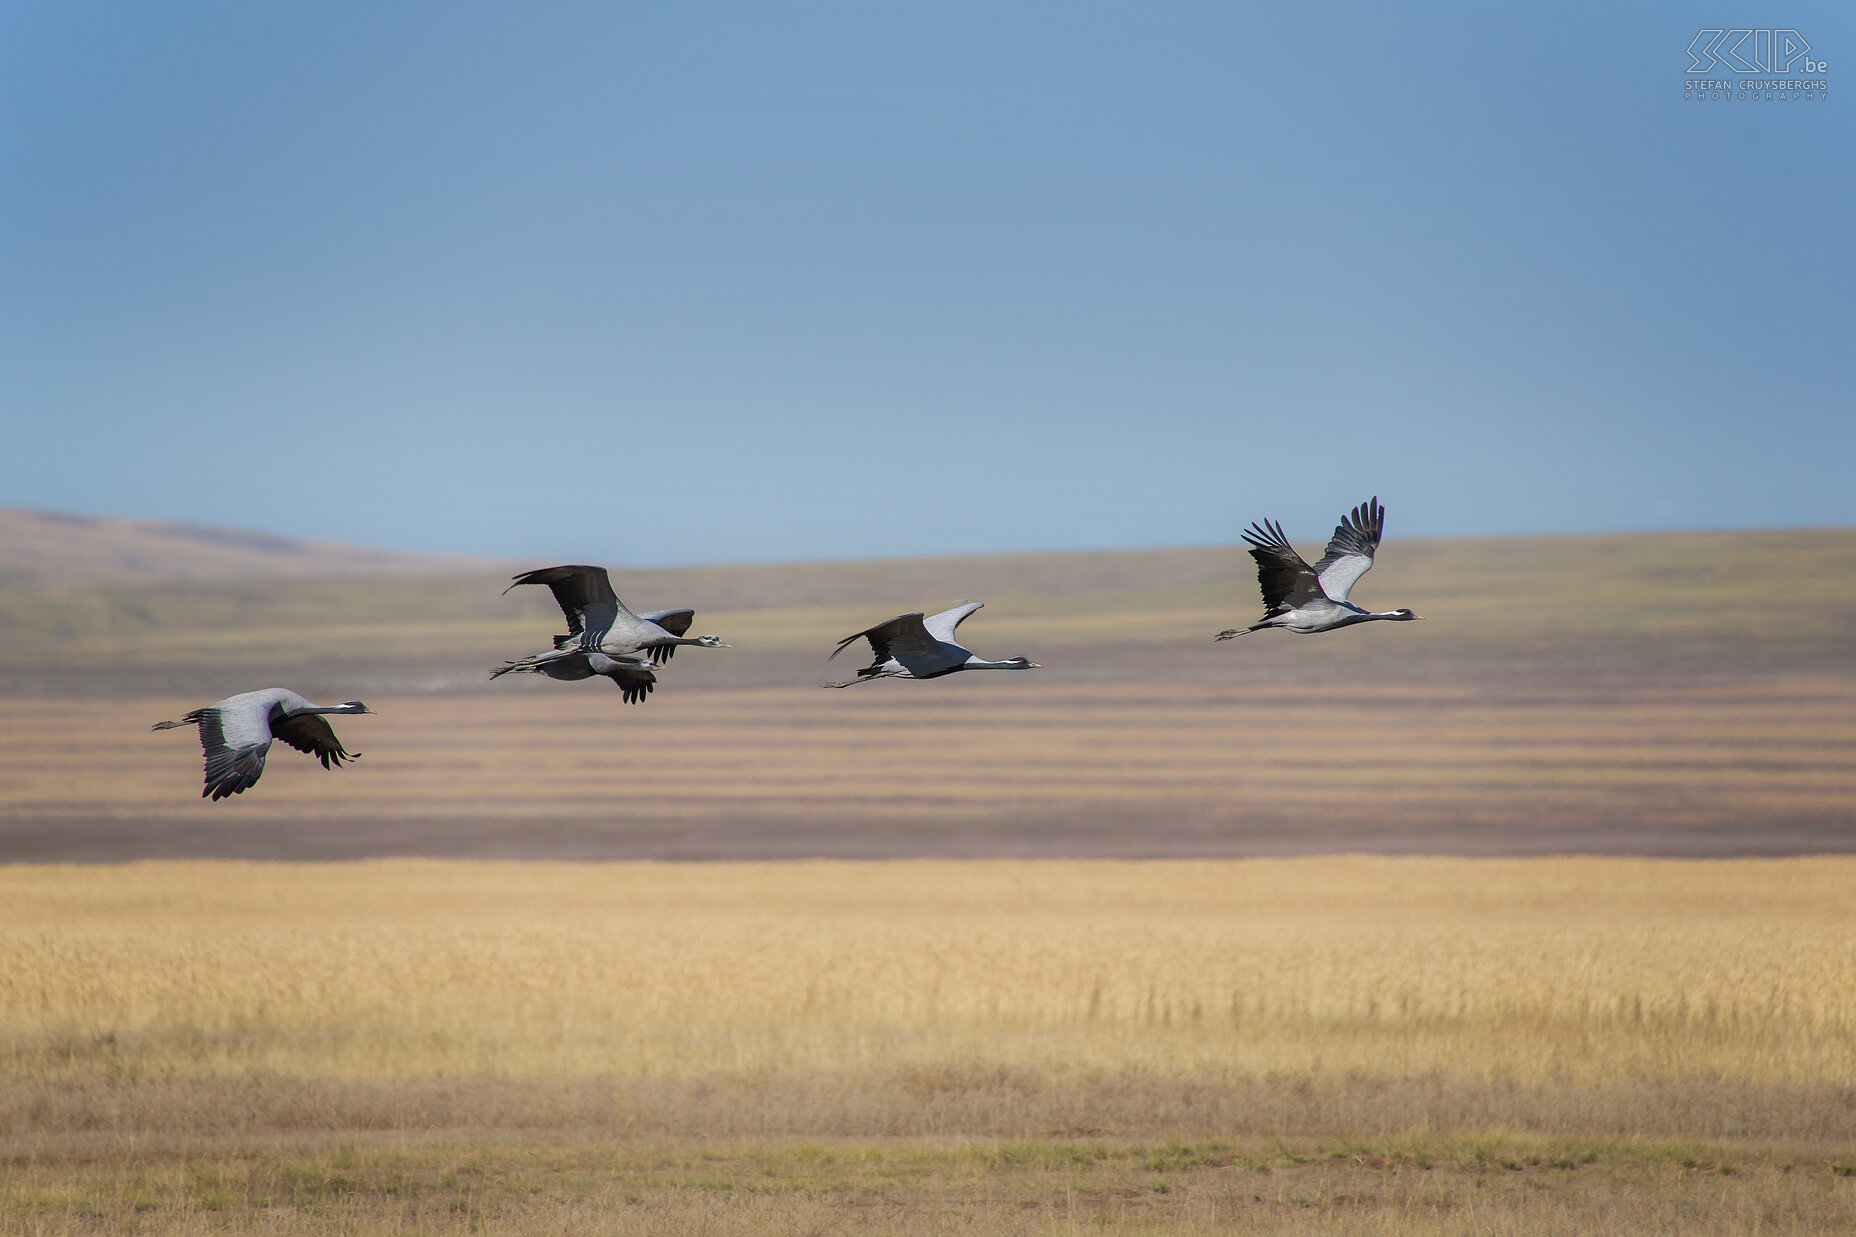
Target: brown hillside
{"x":42,"y":547}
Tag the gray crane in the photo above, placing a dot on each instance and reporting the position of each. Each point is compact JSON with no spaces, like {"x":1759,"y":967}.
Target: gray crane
{"x":910,"y":646}
{"x":1304,"y":599}
{"x":598,"y":622}
{"x":632,"y":675}
{"x":236,"y":732}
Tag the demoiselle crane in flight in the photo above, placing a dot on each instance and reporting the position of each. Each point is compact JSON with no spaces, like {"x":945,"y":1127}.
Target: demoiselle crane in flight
{"x":236,"y":732}
{"x":1304,"y":599}
{"x":910,"y":646}
{"x":632,"y":675}
{"x":598,"y":622}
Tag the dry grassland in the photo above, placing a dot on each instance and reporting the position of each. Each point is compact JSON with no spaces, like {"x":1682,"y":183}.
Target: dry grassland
{"x":1343,"y":1044}
{"x":1282,"y":1045}
{"x":980,"y":768}
{"x":1410,"y":1185}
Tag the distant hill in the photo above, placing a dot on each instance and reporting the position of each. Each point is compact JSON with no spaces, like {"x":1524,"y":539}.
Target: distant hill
{"x":43,"y":547}
{"x":101,"y":606}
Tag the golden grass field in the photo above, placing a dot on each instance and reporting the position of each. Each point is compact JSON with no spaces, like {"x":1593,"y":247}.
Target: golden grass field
{"x":1301,"y":1045}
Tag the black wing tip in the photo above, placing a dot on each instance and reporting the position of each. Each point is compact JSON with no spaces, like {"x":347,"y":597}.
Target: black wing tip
{"x":226,"y":787}
{"x":1366,"y":523}
{"x":869,"y":633}
{"x":528,"y":577}
{"x":1267,"y":535}
{"x":554,"y":575}
{"x":534,"y":573}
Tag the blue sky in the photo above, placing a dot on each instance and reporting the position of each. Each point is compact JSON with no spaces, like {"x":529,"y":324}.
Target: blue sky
{"x":733,"y":282}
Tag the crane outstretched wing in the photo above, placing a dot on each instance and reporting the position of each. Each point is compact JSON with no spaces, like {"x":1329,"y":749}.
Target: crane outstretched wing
{"x":903,"y":635}
{"x":311,"y":733}
{"x":585,"y":596}
{"x":1288,"y":582}
{"x":629,"y":675}
{"x":942,"y":626}
{"x":676,"y":622}
{"x":1350,"y":550}
{"x":234,"y":738}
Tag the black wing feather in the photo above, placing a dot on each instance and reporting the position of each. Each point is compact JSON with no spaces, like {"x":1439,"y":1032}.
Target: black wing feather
{"x":636,"y":684}
{"x":585,"y":596}
{"x":228,"y":771}
{"x":884,"y":635}
{"x":312,"y":734}
{"x":1358,"y":532}
{"x":676,"y":622}
{"x":1285,"y":577}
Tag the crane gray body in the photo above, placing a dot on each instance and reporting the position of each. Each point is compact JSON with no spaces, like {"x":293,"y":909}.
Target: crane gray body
{"x":237,"y":732}
{"x":914,"y":646}
{"x":631,"y":675}
{"x":598,"y":622}
{"x":1305,"y":599}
